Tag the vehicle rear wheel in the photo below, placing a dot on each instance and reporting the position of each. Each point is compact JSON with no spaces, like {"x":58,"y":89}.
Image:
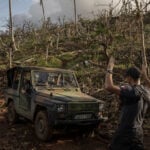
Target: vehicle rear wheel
{"x":12,"y":115}
{"x":42,"y":128}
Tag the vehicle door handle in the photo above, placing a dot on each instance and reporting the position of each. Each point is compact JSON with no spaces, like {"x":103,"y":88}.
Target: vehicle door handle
{"x":23,"y":91}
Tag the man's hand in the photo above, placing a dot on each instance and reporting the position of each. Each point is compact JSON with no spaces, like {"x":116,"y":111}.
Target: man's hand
{"x":111,"y":63}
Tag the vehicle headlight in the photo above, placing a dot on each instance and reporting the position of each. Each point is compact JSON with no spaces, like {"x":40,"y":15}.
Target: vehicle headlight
{"x":60,"y":108}
{"x":101,"y":107}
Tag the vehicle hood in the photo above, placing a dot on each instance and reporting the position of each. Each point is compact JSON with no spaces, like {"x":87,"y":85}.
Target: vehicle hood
{"x":69,"y":96}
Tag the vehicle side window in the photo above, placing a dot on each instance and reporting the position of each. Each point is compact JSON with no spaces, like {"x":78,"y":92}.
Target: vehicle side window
{"x":26,"y":81}
{"x":17,"y":75}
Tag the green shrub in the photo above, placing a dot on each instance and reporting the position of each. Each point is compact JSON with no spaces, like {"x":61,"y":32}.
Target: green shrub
{"x":52,"y":62}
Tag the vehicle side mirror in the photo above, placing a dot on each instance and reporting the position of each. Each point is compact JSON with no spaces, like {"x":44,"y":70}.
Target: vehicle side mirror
{"x":84,"y":89}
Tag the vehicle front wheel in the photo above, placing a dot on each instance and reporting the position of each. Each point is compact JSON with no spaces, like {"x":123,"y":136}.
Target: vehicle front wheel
{"x":12,"y":116}
{"x":42,"y":128}
{"x":87,"y":134}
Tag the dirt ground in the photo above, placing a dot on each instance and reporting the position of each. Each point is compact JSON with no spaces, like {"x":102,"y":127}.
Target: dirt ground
{"x":21,"y":137}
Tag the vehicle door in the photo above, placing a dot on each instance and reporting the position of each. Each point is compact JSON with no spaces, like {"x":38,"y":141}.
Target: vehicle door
{"x":14,"y":76}
{"x":25,"y":93}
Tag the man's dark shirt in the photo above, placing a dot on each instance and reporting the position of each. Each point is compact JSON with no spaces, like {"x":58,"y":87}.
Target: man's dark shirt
{"x":135,"y":101}
{"x":129,"y":135}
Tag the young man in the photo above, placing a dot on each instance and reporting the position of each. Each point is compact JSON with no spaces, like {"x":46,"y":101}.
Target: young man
{"x":135,"y":99}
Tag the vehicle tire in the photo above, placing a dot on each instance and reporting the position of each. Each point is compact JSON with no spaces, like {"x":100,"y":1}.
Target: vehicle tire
{"x":12,"y":116}
{"x":86,"y":133}
{"x":42,"y":128}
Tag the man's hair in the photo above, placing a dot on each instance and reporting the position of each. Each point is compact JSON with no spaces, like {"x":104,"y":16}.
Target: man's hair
{"x":133,"y":72}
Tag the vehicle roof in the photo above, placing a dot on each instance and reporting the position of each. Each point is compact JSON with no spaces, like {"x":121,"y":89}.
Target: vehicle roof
{"x":42,"y":68}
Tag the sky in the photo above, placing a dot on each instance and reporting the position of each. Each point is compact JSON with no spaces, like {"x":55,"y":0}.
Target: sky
{"x":18,"y":7}
{"x":31,"y":10}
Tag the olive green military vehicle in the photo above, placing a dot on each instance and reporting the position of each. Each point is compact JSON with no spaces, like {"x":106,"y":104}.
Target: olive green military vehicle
{"x":51,"y":99}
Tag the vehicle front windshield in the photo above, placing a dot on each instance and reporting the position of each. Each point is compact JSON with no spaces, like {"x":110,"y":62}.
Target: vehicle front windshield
{"x":54,"y":79}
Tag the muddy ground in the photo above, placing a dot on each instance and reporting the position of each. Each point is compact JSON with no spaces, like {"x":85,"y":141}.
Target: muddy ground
{"x":21,"y":137}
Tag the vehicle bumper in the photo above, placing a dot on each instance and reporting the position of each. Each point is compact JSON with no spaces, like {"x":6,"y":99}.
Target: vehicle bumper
{"x":93,"y":122}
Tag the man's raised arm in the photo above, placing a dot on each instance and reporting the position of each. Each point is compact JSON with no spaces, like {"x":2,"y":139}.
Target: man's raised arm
{"x":109,"y":85}
{"x":145,"y":76}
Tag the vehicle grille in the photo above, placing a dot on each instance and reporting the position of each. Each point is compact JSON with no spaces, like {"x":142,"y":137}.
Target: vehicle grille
{"x":77,"y":107}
